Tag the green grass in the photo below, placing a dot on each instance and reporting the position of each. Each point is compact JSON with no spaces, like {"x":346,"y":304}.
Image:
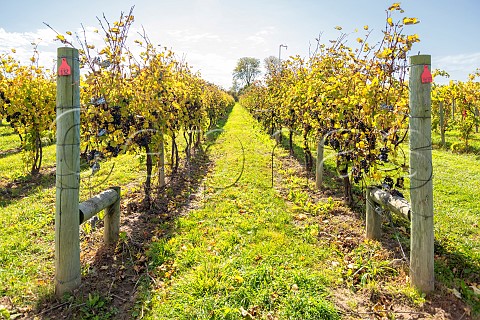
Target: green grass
{"x":457,"y":221}
{"x":241,"y":251}
{"x":455,"y":143}
{"x":12,"y":159}
{"x":9,"y":147}
{"x":8,"y":139}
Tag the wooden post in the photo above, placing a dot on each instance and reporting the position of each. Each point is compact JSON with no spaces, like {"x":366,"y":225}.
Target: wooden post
{"x":112,"y":220}
{"x":161,"y":162}
{"x":476,"y":119}
{"x":373,"y":225}
{"x":319,"y":165}
{"x":442,"y":124}
{"x":67,"y":243}
{"x":453,"y":109}
{"x":421,"y":173}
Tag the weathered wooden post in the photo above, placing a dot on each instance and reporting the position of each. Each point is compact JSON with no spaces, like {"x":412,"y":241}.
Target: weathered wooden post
{"x":442,"y":124}
{"x":421,"y":173}
{"x":477,"y":114}
{"x":453,"y":109}
{"x":112,"y":220}
{"x":319,"y":164}
{"x":67,"y":244}
{"x":373,"y":223}
{"x":161,"y":162}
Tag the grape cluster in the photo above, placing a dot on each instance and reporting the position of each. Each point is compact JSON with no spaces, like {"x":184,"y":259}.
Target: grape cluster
{"x":356,"y":145}
{"x":383,"y":156}
{"x":388,"y":184}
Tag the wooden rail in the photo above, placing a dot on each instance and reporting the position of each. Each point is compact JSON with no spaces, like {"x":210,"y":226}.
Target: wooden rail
{"x":108,"y":200}
{"x":377,"y":197}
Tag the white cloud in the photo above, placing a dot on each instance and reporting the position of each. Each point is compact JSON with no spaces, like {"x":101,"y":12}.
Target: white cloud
{"x":458,"y":66}
{"x":12,"y":39}
{"x":261,"y":36}
{"x":24,"y":42}
{"x":212,"y":67}
{"x":192,"y":37}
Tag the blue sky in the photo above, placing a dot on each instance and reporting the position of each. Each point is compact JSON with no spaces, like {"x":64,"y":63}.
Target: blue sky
{"x":213,"y":34}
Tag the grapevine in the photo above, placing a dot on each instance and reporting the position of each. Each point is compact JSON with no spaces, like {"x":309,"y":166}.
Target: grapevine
{"x":355,"y":98}
{"x":129,"y":103}
{"x":27,"y":101}
{"x":461,"y":111}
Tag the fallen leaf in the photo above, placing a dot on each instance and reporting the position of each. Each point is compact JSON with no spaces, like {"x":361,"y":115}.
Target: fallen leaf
{"x":301,"y":217}
{"x":475,"y":290}
{"x":238,"y":279}
{"x":456,"y":293}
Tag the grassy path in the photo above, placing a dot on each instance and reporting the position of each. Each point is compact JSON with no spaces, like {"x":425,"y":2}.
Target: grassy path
{"x":456,"y":186}
{"x":240,"y":253}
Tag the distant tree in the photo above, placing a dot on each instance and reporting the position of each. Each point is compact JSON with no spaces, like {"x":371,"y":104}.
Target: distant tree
{"x":271,"y":64}
{"x":247,"y":70}
{"x":235,"y":90}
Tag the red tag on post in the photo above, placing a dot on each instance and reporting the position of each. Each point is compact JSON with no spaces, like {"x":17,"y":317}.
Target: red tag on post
{"x":426,"y":75}
{"x":64,"y":69}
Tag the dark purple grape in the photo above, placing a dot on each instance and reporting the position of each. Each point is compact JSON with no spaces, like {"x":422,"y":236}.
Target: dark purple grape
{"x":383,"y":157}
{"x":387,"y":183}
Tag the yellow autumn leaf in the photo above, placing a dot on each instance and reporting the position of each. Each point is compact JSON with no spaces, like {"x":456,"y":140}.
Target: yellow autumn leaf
{"x":390,"y":22}
{"x":114,"y":30}
{"x":338,"y":28}
{"x":60,"y":37}
{"x":395,"y":6}
{"x":384,"y":54}
{"x":408,"y":21}
{"x":413,"y":38}
{"x":239,"y":279}
{"x":69,"y":33}
{"x":365,"y":27}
